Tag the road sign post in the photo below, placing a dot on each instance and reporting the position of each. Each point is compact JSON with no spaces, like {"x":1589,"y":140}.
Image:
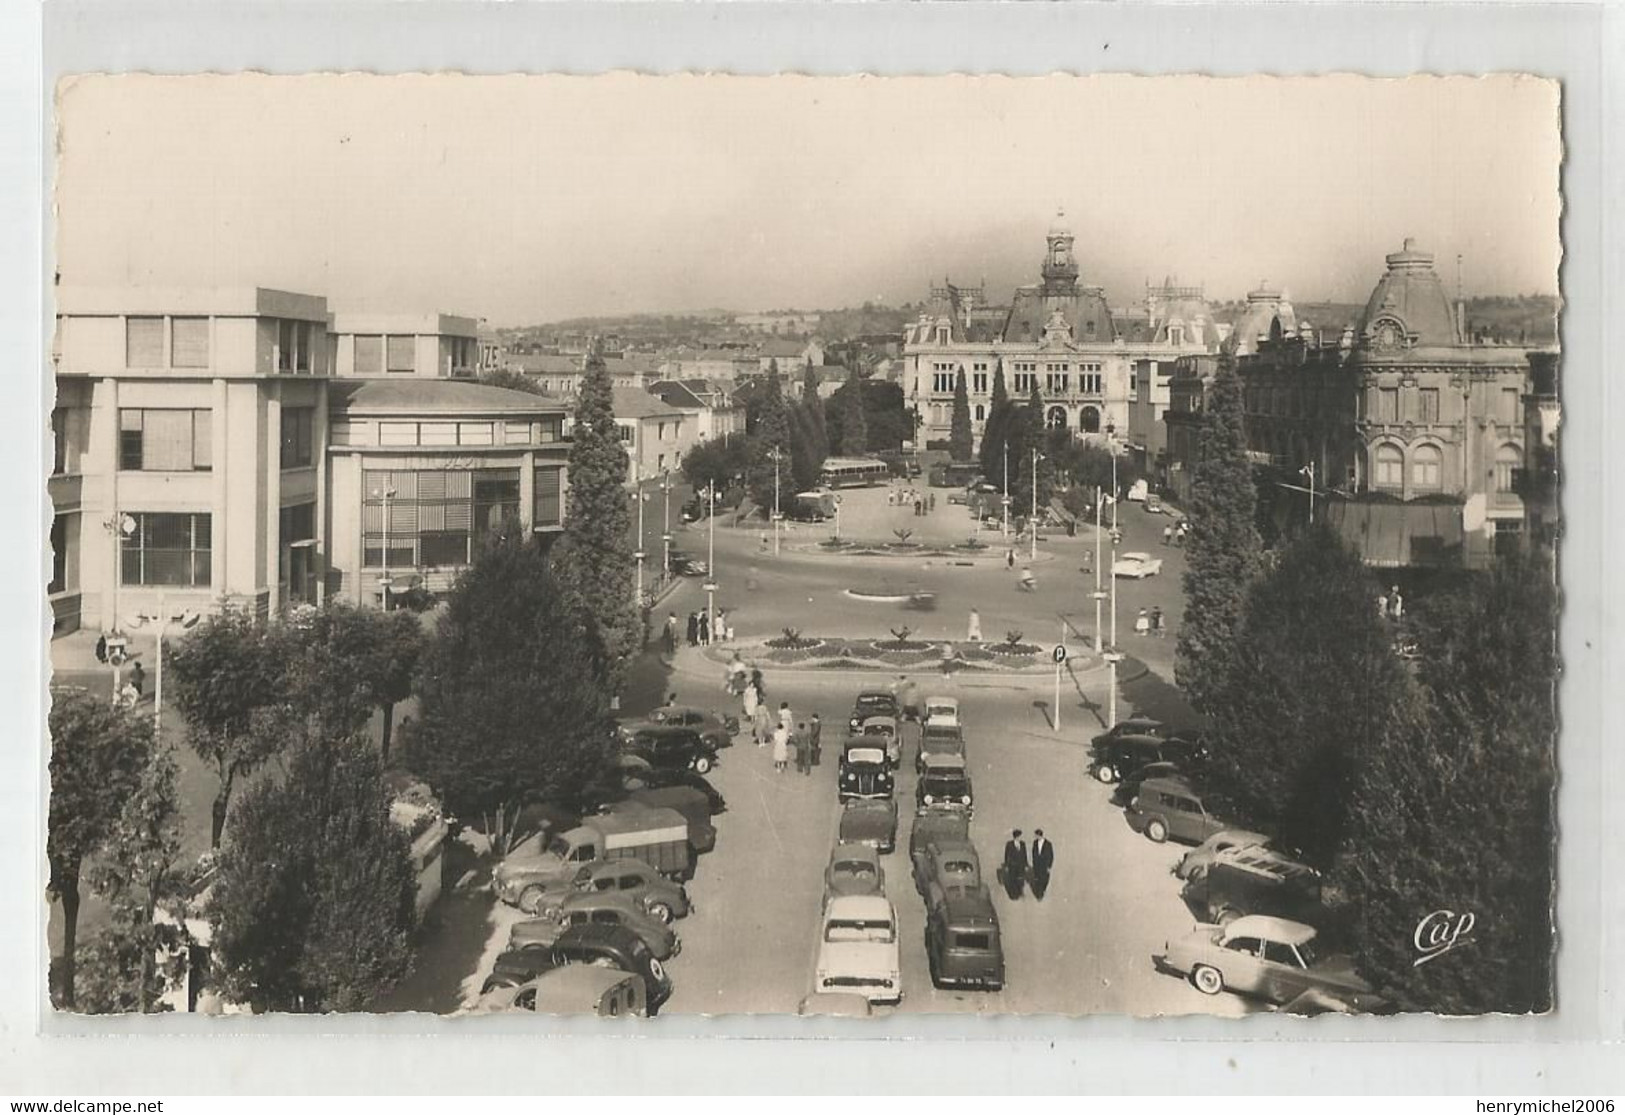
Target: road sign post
{"x":1059,"y":655}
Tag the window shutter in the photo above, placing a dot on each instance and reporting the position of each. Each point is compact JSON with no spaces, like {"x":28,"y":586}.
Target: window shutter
{"x":402,"y":357}
{"x":190,"y":347}
{"x":369,"y":355}
{"x":144,"y":342}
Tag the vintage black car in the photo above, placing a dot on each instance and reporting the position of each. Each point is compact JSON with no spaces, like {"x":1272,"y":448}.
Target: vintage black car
{"x":873,"y":702}
{"x":653,"y":778}
{"x":864,"y":770}
{"x":1123,"y":758}
{"x":612,"y":946}
{"x":944,"y":784}
{"x":668,"y":748}
{"x":871,"y":821}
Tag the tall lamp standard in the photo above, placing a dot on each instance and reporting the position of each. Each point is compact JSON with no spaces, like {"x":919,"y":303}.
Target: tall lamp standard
{"x":1032,"y":527}
{"x":1308,"y":472}
{"x":711,"y":560}
{"x":665,"y":524}
{"x":776,"y":455}
{"x":638,"y":554}
{"x":1005,"y":529}
{"x":1099,"y":593}
{"x":385,"y":493}
{"x":1113,"y":657}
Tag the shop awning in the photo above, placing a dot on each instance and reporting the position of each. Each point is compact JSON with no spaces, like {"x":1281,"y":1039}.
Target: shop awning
{"x":1391,"y":535}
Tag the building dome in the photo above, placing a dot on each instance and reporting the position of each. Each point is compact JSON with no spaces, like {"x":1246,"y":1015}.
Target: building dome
{"x":1268,"y":314}
{"x":1409,"y":306}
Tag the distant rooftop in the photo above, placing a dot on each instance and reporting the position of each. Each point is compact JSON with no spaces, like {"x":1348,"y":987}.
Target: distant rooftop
{"x":439,"y":395}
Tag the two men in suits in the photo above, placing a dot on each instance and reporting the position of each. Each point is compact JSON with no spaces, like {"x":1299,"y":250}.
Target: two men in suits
{"x":1020,"y":865}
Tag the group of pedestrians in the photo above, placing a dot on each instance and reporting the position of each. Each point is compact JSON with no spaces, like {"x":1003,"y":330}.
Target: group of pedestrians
{"x":1390,"y":604}
{"x":702,"y":630}
{"x":1150,"y":623}
{"x":923,"y":502}
{"x":789,"y":738}
{"x":1022,"y":866}
{"x":1174,"y":534}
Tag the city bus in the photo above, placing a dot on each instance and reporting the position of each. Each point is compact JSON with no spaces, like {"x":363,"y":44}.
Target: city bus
{"x":955,"y":474}
{"x":852,"y":472}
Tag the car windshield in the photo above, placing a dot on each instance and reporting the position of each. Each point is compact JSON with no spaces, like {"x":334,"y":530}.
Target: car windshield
{"x":1309,"y":953}
{"x":865,"y":755}
{"x":859,"y":929}
{"x":559,"y":847}
{"x":958,"y":867}
{"x":856,"y":868}
{"x":980,"y":942}
{"x":945,"y":785}
{"x":872,"y":703}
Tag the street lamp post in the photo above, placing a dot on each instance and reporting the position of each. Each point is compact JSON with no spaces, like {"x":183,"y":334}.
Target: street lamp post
{"x":776,"y":456}
{"x":637,"y":555}
{"x":665,"y":524}
{"x":711,"y":561}
{"x":386,"y":493}
{"x":1113,"y":657}
{"x":1005,"y":529}
{"x":1308,"y":471}
{"x":1032,"y":524}
{"x":1100,"y":593}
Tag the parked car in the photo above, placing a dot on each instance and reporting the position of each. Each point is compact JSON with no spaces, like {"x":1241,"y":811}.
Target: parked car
{"x":635,"y":881}
{"x":605,"y":946}
{"x":1169,"y":808}
{"x":884,"y":730}
{"x":687,"y":565}
{"x":572,"y":989}
{"x":1133,"y":726}
{"x":646,"y":777}
{"x":1153,"y":505}
{"x":1201,"y":857}
{"x":551,"y":861}
{"x":871,"y":821}
{"x":853,"y":869}
{"x":937,"y":826}
{"x":597,"y":908}
{"x":939,"y":739}
{"x":835,"y":1004}
{"x":873,"y":702}
{"x":1127,"y":756}
{"x":962,"y":942}
{"x":946,"y":863}
{"x":858,"y":949}
{"x":717,"y":729}
{"x":864,"y":771}
{"x":944,"y":783}
{"x":1254,"y":880}
{"x":669,"y":747}
{"x":942,"y":711}
{"x":1270,"y":958}
{"x":1136,"y":566}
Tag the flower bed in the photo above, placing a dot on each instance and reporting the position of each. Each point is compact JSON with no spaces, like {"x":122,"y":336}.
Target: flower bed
{"x":886,"y":654}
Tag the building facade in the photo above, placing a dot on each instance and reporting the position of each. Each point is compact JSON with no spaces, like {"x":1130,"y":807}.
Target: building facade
{"x":656,"y":433}
{"x":1057,"y":334}
{"x":426,"y":346}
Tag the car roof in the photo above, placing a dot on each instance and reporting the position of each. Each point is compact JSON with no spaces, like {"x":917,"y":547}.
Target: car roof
{"x":875,"y":695}
{"x":962,"y":901}
{"x":1136,"y":720}
{"x":1172,"y":785}
{"x":582,"y":979}
{"x":946,"y":702}
{"x":934,"y":823}
{"x":1139,"y":739}
{"x":864,"y":906}
{"x":945,"y":763}
{"x":1270,"y":929}
{"x":599,"y":933}
{"x":1135,"y":555}
{"x":849,"y":850}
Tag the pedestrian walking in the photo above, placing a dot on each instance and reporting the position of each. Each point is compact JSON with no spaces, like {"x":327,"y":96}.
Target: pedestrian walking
{"x":737,"y":675}
{"x":815,"y":739}
{"x":1142,"y":623}
{"x":1396,"y":602}
{"x":932,"y":502}
{"x":138,"y":680}
{"x":749,"y":701}
{"x":669,"y":636}
{"x":1013,"y":871}
{"x":950,"y":658}
{"x":1382,"y":604}
{"x":1156,"y":623}
{"x":787,"y":718}
{"x":693,"y":629}
{"x":1010,"y":558}
{"x":1168,"y":535}
{"x":761,"y":542}
{"x":1043,"y":863}
{"x":781,"y":748}
{"x":762,"y":727}
{"x":721,"y":633}
{"x":671,"y":698}
{"x":973,"y":629}
{"x":101,"y":648}
{"x":705,"y":630}
{"x":908,"y":697}
{"x":803,"y":748}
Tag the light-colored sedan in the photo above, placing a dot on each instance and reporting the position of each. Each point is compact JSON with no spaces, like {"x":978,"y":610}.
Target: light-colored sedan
{"x":1136,"y":566}
{"x":854,"y":869}
{"x":1269,"y":958}
{"x":859,"y":950}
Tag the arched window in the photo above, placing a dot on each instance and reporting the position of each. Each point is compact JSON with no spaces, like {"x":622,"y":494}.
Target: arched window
{"x":1508,"y":459}
{"x":1056,"y":418}
{"x":1388,"y":467}
{"x":1427,"y":468}
{"x":981,"y":412}
{"x":1089,"y":420}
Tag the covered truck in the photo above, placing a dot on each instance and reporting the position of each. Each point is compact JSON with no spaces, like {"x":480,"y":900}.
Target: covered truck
{"x":657,"y":836}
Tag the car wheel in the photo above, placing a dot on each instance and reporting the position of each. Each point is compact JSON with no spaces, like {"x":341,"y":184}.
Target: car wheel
{"x":1105,"y":774}
{"x":530,"y":900}
{"x":661,"y":912}
{"x":702,"y":765}
{"x":1207,"y":979}
{"x":1156,"y":830}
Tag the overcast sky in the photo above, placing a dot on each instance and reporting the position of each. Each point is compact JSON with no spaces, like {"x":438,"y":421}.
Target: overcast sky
{"x":528,"y":199}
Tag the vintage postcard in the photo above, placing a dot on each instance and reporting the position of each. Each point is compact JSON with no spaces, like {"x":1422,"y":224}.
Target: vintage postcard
{"x":861,"y":546}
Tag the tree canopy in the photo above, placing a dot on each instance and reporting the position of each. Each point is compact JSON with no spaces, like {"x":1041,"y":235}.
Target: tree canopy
{"x":995,"y":430}
{"x":594,"y":561}
{"x":961,"y":439}
{"x":854,"y":421}
{"x":312,"y":902}
{"x":1222,"y":547}
{"x":98,"y":757}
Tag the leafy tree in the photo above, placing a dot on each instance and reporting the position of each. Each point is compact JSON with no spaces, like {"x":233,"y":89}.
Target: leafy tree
{"x":230,"y":680}
{"x":994,"y":430}
{"x":98,"y":754}
{"x":512,"y":380}
{"x":1311,"y":684}
{"x":887,"y":420}
{"x":1222,"y":548}
{"x":854,"y":423}
{"x":121,"y":972}
{"x":313,"y":899}
{"x":772,"y":432}
{"x":344,"y":662}
{"x":595,"y":563}
{"x":489,"y":737}
{"x":814,"y":404}
{"x":806,"y":460}
{"x":716,"y":462}
{"x":1458,"y":815}
{"x":1027,"y":430}
{"x":960,"y":437}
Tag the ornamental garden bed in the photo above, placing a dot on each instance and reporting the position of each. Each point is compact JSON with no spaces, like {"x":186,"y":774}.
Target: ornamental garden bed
{"x":838,"y":653}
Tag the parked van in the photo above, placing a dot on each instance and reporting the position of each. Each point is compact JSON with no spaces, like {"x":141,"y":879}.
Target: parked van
{"x":962,"y":944}
{"x":1169,"y":808}
{"x":1254,"y":880}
